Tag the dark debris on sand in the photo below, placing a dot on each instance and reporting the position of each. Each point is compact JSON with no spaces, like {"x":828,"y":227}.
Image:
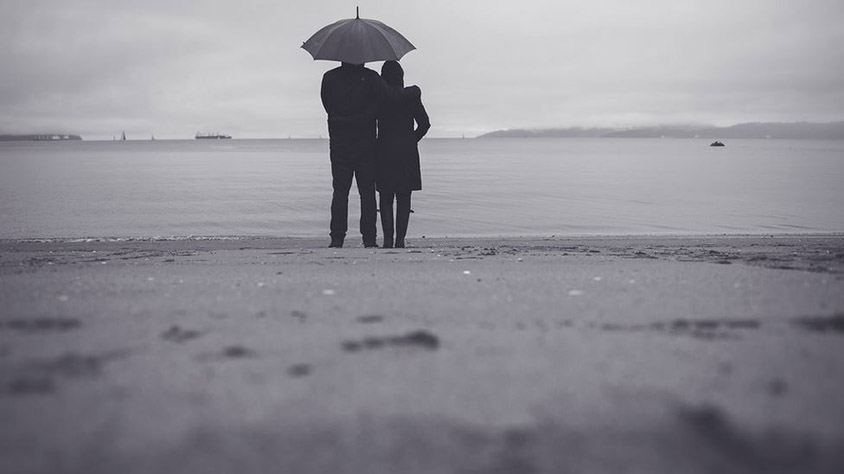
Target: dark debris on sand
{"x":233,"y":352}
{"x":822,"y":324}
{"x":706,"y":329}
{"x":370,"y":319}
{"x":40,"y":325}
{"x":818,"y":256}
{"x":299,"y":370}
{"x":177,"y":334}
{"x":238,"y":352}
{"x":420,"y":339}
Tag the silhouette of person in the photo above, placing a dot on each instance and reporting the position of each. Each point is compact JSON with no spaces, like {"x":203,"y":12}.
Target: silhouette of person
{"x":351,"y":95}
{"x":397,"y":170}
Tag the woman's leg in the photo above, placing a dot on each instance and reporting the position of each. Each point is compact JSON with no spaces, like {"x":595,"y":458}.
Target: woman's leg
{"x":387,"y":218}
{"x":402,"y":216}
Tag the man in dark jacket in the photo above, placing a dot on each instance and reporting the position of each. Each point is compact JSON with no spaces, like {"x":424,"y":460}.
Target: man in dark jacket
{"x":350,"y":95}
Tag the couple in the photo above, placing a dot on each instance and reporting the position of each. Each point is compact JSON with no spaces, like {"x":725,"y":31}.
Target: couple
{"x":372,"y":139}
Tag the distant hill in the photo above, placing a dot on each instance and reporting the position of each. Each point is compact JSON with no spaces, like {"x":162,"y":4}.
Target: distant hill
{"x":39,"y":137}
{"x":797,"y":131}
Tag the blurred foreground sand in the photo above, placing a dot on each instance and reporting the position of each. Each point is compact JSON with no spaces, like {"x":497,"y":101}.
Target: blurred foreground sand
{"x":710,"y":354}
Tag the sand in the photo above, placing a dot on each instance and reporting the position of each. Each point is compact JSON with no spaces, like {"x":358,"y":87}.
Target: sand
{"x":576,"y":355}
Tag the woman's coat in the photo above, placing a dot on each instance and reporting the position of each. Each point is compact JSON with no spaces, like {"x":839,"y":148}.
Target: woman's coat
{"x":397,"y":157}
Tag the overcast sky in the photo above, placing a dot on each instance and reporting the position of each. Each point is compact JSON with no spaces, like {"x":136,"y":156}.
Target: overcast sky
{"x":172,"y":68}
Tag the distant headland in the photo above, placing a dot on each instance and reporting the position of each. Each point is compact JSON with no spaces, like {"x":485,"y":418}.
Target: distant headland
{"x":794,"y":131}
{"x":39,"y":137}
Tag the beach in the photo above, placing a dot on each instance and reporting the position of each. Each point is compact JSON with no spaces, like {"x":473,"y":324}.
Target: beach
{"x":559,"y":354}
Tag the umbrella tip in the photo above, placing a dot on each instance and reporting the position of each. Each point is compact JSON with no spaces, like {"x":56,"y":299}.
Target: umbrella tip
{"x":357,"y":13}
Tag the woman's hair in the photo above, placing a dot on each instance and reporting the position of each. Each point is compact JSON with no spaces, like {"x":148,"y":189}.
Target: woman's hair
{"x":392,"y":73}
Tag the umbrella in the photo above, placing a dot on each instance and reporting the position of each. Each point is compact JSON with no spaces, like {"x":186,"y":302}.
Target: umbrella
{"x":357,"y":41}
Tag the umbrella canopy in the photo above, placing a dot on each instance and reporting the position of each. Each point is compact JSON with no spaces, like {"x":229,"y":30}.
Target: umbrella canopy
{"x":357,"y":41}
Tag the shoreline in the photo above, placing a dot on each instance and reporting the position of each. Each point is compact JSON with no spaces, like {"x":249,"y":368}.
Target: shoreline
{"x":538,"y":354}
{"x":353,"y":239}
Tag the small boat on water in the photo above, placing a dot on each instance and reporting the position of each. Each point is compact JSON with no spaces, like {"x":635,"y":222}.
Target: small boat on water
{"x":716,"y":143}
{"x":211,"y":136}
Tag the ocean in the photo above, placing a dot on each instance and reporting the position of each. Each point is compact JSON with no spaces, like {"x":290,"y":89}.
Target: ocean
{"x":471,"y":187}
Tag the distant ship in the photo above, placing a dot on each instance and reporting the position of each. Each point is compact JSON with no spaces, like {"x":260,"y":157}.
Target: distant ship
{"x":203,"y":136}
{"x":39,"y":138}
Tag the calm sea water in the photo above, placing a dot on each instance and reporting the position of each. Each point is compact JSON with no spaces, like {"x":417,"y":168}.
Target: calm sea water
{"x":473,"y":187}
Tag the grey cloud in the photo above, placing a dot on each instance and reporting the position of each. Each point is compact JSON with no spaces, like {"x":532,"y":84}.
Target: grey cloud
{"x":172,"y":67}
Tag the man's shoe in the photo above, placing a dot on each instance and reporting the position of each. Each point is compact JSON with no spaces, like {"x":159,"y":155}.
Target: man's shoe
{"x":369,"y":242}
{"x":388,"y":243}
{"x":335,"y":244}
{"x":399,"y":243}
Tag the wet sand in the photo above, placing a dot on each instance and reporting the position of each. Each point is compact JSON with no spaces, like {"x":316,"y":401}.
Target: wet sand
{"x":577,"y":355}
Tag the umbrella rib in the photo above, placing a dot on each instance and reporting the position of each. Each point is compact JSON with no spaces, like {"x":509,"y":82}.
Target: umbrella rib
{"x":325,"y":33}
{"x":389,"y":34}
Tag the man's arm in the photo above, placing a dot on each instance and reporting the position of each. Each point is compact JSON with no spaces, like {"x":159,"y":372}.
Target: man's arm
{"x":386,"y":94}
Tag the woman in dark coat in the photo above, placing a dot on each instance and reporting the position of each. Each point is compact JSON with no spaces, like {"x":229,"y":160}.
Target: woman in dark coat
{"x":397,"y":170}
